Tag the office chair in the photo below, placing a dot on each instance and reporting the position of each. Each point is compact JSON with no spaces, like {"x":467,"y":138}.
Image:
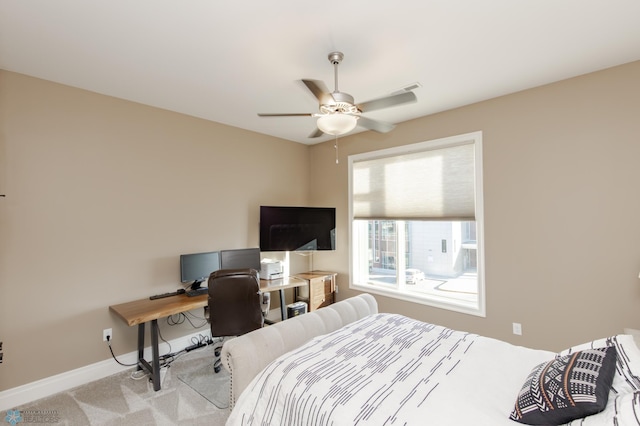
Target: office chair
{"x":236,"y":305}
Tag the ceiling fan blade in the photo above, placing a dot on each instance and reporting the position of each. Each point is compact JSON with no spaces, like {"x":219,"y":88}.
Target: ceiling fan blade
{"x":302,"y":114}
{"x":386,"y":102}
{"x":319,"y":90}
{"x":316,"y":133}
{"x":375,"y":125}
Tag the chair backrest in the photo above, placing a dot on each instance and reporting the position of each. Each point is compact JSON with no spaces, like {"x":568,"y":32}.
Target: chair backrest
{"x":234,"y":302}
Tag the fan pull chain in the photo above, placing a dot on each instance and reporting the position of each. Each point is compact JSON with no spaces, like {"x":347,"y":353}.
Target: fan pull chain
{"x":335,"y":145}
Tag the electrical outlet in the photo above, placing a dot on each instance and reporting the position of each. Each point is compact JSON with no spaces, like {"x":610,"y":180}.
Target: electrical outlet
{"x":517,"y":328}
{"x":107,"y":332}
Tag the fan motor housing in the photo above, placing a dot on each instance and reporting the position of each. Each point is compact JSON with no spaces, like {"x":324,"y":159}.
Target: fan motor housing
{"x":344,"y":103}
{"x":342,"y":106}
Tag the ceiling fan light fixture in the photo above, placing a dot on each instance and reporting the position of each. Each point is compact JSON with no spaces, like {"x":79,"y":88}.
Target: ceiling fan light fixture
{"x":337,"y":124}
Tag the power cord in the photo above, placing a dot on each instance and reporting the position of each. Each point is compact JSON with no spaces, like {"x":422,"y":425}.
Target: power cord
{"x":166,"y":360}
{"x":187,"y":316}
{"x":169,"y":355}
{"x":114,"y":355}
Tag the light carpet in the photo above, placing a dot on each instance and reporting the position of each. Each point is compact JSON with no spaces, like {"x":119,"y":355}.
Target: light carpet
{"x":123,"y":400}
{"x":211,"y":385}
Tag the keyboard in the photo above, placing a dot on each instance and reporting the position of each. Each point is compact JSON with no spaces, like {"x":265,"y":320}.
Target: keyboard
{"x":198,"y":291}
{"x":163,"y":295}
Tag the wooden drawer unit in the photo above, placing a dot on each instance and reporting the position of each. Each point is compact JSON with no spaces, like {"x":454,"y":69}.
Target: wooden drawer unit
{"x":322,"y":286}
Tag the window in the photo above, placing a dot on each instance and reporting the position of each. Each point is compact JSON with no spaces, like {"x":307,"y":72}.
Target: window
{"x":416,"y":223}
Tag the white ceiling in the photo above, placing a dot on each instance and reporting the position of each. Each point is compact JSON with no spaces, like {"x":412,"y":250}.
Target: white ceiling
{"x":226,"y":61}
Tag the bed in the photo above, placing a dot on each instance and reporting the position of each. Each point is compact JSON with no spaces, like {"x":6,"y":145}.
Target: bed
{"x":348,"y":364}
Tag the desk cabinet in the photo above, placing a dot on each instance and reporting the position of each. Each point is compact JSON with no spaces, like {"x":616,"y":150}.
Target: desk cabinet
{"x":322,"y":287}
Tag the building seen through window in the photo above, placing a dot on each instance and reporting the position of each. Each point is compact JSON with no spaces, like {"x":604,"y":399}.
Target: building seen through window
{"x":434,"y":253}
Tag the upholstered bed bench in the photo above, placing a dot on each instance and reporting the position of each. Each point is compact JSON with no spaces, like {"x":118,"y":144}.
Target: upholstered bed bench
{"x":245,"y":356}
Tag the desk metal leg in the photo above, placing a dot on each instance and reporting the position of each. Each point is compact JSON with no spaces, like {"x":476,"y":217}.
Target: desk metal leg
{"x":283,"y":309}
{"x":154,"y":367}
{"x":140,"y":345}
{"x":155,"y":373}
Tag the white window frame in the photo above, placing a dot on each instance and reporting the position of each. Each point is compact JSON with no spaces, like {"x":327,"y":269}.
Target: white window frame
{"x":397,"y":291}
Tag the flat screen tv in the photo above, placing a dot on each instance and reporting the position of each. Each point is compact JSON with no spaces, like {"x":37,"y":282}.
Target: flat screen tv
{"x":284,"y":228}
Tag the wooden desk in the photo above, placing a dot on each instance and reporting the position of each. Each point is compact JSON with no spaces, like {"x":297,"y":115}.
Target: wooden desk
{"x":281,"y":285}
{"x":139,"y":312}
{"x":322,"y":287}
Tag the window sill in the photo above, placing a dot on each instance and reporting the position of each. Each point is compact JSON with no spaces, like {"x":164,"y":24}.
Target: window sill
{"x":475,"y":308}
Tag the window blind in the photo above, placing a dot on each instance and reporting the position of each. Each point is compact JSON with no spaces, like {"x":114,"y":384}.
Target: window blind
{"x":434,"y":184}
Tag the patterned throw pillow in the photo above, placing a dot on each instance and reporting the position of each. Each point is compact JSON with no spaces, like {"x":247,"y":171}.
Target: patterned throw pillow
{"x":566,"y":388}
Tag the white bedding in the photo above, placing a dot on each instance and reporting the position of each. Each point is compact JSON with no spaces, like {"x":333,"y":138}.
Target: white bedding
{"x":388,"y":369}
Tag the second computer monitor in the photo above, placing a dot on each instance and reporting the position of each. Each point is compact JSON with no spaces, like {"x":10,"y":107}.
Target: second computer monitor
{"x":240,"y":259}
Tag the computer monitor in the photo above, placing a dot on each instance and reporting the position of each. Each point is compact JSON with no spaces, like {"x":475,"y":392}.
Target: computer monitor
{"x":196,"y":267}
{"x":240,"y":259}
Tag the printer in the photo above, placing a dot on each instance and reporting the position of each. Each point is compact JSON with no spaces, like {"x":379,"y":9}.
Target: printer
{"x":271,"y":269}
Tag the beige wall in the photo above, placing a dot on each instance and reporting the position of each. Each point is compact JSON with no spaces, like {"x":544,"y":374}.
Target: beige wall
{"x":562,"y":207}
{"x":102,"y":197}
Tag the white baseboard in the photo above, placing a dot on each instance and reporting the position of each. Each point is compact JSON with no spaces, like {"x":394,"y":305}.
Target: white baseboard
{"x":13,"y":398}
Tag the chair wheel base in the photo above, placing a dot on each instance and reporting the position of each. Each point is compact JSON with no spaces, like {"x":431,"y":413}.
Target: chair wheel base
{"x":217,"y":365}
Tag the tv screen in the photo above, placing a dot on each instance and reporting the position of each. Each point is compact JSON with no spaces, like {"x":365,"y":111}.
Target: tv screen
{"x":297,"y":228}
{"x":196,"y":267}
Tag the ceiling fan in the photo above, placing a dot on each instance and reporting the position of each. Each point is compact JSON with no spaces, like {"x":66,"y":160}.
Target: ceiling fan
{"x":338,"y":113}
